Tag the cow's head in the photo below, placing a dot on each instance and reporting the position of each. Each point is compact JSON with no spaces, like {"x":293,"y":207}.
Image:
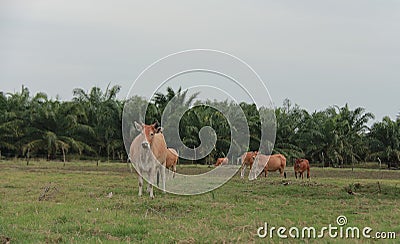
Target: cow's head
{"x":297,"y":163}
{"x":148,"y":131}
{"x":254,"y":155}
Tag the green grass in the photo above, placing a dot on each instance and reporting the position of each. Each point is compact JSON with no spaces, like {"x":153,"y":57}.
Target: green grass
{"x":76,"y":208}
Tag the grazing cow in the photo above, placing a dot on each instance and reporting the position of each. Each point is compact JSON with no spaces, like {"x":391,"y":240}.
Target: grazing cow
{"x":221,"y":161}
{"x":148,"y":152}
{"x":247,"y":160}
{"x":300,"y":166}
{"x":271,"y":163}
{"x":172,"y":159}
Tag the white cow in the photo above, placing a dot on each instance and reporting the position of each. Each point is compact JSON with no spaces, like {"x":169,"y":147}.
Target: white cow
{"x":148,"y":153}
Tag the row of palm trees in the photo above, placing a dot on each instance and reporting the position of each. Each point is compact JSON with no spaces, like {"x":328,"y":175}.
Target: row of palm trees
{"x":39,"y":126}
{"x":89,"y":126}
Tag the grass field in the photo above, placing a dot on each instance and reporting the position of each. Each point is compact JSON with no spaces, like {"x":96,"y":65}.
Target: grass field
{"x":46,"y":202}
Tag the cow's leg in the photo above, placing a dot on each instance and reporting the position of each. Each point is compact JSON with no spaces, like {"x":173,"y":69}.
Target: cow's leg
{"x":243,"y":169}
{"x":308,"y":173}
{"x":150,"y":179}
{"x":140,"y":184}
{"x":152,"y":175}
{"x":295,"y":174}
{"x":251,"y":172}
{"x":148,"y":187}
{"x":265,"y":173}
{"x":151,"y":191}
{"x":163,"y":176}
{"x":174,"y":169}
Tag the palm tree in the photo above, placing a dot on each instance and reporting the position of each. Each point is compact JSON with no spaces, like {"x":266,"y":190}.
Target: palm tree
{"x":14,"y":124}
{"x":385,"y":140}
{"x":5,"y":129}
{"x":104,"y":115}
{"x":178,"y":98}
{"x":53,"y":128}
{"x":254,"y":123}
{"x":170,"y":107}
{"x":289,"y":121}
{"x":351,"y":127}
{"x":318,"y":137}
{"x":335,"y":135}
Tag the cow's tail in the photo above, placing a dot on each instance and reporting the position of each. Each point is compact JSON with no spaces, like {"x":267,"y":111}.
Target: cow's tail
{"x":129,"y":163}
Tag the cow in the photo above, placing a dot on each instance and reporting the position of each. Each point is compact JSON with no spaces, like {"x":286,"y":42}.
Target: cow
{"x":300,"y":166}
{"x":271,"y":163}
{"x":221,"y":161}
{"x":148,"y":152}
{"x":172,"y":160}
{"x":247,"y":160}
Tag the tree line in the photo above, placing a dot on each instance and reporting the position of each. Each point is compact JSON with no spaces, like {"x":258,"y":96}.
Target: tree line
{"x":89,"y":127}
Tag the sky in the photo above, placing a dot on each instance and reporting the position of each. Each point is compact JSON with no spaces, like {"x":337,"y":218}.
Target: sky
{"x":316,"y":53}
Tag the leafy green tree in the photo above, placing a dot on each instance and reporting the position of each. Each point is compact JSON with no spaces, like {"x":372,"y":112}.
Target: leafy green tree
{"x":53,"y":128}
{"x":289,"y":121}
{"x":350,"y":129}
{"x":104,"y":115}
{"x":318,"y":138}
{"x":385,"y":141}
{"x":14,"y":126}
{"x":254,"y":123}
{"x":5,"y":130}
{"x":91,"y":124}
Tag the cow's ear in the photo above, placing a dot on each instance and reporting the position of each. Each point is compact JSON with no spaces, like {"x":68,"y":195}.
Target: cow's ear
{"x":159,"y":129}
{"x":156,"y":125}
{"x":138,"y":126}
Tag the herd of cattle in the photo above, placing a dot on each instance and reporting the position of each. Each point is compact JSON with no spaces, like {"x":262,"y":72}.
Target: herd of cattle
{"x":151,"y":156}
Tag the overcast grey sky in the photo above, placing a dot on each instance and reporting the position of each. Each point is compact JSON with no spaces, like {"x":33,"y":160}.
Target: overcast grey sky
{"x":316,"y":53}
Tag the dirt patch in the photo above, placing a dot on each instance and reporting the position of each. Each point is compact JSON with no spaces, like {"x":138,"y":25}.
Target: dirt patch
{"x":354,"y":174}
{"x":49,"y":192}
{"x":5,"y":240}
{"x":373,"y":189}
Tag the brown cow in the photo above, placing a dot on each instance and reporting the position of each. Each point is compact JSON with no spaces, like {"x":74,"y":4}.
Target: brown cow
{"x":271,"y":163}
{"x":247,"y":160}
{"x":148,"y":152}
{"x":172,"y":159}
{"x":221,"y":161}
{"x":300,"y":166}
